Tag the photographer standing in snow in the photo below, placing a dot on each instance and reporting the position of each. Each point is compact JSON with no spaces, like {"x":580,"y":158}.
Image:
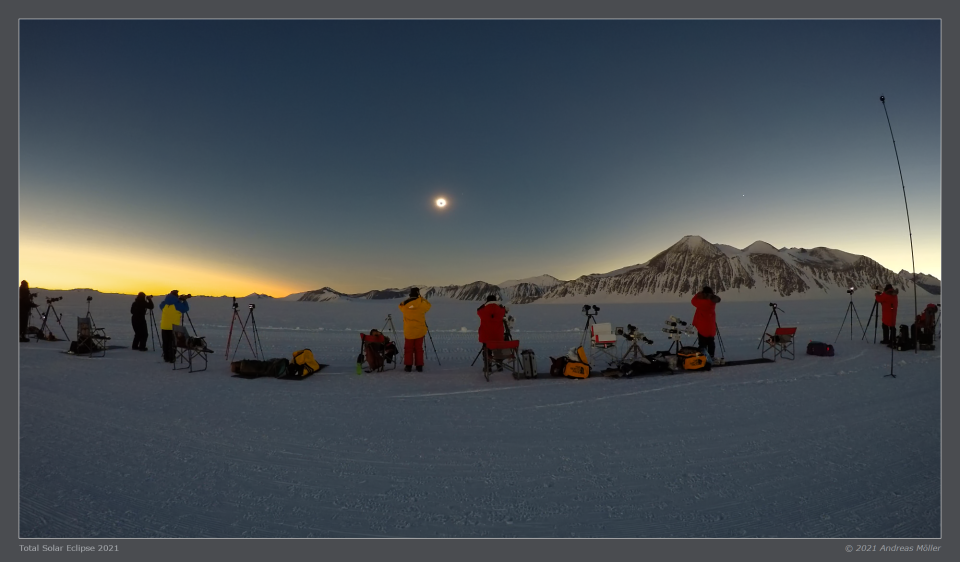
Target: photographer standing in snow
{"x":138,"y":312}
{"x":492,"y":323}
{"x":171,"y":311}
{"x":888,"y":302}
{"x":705,"y":319}
{"x":414,"y":312}
{"x":26,"y":305}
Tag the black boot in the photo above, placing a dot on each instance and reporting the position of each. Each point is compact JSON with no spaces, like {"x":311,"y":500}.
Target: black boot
{"x":419,"y":368}
{"x":408,"y":368}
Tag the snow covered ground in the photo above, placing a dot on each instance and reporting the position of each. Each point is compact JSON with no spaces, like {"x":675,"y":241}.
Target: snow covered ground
{"x":123,"y":446}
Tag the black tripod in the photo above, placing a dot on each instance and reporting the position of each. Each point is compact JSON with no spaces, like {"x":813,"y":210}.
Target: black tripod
{"x":46,"y":316}
{"x":255,"y":344}
{"x":153,"y":328}
{"x":723,"y":350}
{"x":875,"y":318}
{"x":773,"y":315}
{"x":432,"y":344}
{"x":852,"y":311}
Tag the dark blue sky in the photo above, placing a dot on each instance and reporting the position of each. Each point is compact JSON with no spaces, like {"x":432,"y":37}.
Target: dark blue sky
{"x":281,"y":156}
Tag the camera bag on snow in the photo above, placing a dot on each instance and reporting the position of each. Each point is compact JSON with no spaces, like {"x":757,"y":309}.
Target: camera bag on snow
{"x":302,"y":366}
{"x":251,"y":369}
{"x":693,"y":359}
{"x":903,"y":342}
{"x":578,"y":364}
{"x":820,"y":348}
{"x":528,"y":360}
{"x":653,"y":364}
{"x":557,"y":365}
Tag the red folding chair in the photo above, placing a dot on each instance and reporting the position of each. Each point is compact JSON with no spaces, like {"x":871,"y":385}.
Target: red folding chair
{"x":504,"y":353}
{"x":376,"y":353}
{"x":781,"y":342}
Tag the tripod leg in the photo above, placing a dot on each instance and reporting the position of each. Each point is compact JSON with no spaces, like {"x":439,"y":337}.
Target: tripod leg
{"x":844,"y":322}
{"x":226,"y":353}
{"x":772,"y":313}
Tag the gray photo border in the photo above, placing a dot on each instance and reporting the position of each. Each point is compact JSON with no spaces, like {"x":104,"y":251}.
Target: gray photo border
{"x":459,"y":549}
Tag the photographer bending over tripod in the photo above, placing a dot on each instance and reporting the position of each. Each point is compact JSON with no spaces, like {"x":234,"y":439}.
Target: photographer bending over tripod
{"x":705,"y":319}
{"x":888,"y":302}
{"x":414,"y":312}
{"x":492,"y":323}
{"x":171,"y":309}
{"x":138,"y":312}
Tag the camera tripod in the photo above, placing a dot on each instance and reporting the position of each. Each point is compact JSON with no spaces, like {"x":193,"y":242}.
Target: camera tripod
{"x":635,"y":350}
{"x":851,"y":311}
{"x":153,"y":328}
{"x":773,"y":315}
{"x":243,"y":331}
{"x":586,"y":326}
{"x":46,"y":316}
{"x":875,"y":318}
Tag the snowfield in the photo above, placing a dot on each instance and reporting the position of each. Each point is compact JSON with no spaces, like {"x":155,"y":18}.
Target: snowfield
{"x":123,"y":446}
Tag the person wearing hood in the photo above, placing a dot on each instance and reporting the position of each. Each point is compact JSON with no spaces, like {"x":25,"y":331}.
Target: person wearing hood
{"x":492,"y":326}
{"x":414,"y":311}
{"x":705,"y":319}
{"x":888,"y":304}
{"x":138,"y":312}
{"x":171,"y":310}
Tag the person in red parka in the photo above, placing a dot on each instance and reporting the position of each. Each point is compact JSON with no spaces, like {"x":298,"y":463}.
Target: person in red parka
{"x":705,"y":319}
{"x":491,"y":320}
{"x":491,"y":323}
{"x":888,"y":302}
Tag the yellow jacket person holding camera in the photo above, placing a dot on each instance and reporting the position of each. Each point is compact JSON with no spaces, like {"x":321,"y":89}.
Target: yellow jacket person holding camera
{"x":171,"y":310}
{"x":414,"y":312}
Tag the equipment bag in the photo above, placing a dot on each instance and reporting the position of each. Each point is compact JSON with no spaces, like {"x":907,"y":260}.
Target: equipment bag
{"x":528,"y":360}
{"x":250,"y":369}
{"x":303,"y":365}
{"x":576,"y":369}
{"x":903,"y":342}
{"x":692,"y":359}
{"x":557,"y":366}
{"x":820,"y":348}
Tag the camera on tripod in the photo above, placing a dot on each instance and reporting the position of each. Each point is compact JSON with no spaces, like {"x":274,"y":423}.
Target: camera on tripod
{"x":851,"y":290}
{"x":773,"y":304}
{"x":33,"y":295}
{"x":252,"y":306}
{"x":587,"y":307}
{"x":89,"y":299}
{"x":673,"y":322}
{"x":185,"y":297}
{"x":673,"y":330}
{"x":631,"y":334}
{"x":50,"y":300}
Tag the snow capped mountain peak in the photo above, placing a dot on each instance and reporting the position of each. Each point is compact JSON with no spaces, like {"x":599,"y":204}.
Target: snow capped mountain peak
{"x":761,"y":247}
{"x":695,"y":244}
{"x":540,"y":280}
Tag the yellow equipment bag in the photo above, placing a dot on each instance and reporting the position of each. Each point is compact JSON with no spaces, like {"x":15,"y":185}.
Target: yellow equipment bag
{"x":691,"y":359}
{"x":576,"y":370}
{"x":578,"y":364}
{"x":303,"y":364}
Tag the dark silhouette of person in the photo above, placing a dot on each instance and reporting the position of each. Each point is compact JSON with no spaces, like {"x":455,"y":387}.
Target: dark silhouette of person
{"x":26,"y":305}
{"x":138,"y":312}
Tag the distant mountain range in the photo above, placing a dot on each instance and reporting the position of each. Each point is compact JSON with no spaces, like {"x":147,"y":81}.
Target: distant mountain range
{"x":757,"y":272}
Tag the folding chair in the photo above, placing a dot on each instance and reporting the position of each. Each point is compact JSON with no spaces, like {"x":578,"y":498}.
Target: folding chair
{"x":188,"y":348}
{"x":603,"y":341}
{"x":781,"y":342}
{"x":90,"y":339}
{"x":505,"y":354}
{"x":377,"y":353}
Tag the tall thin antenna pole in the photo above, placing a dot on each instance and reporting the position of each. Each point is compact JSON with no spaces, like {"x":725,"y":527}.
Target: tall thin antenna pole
{"x":913,"y":264}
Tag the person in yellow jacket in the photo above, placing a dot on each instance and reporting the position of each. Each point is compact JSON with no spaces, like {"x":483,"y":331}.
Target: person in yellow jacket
{"x":414,"y":312}
{"x":171,"y":310}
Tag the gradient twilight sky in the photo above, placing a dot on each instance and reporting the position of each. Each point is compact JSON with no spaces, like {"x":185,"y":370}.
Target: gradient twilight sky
{"x":278,"y":156}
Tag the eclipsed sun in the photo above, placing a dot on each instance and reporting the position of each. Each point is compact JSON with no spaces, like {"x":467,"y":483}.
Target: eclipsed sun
{"x":441,"y":202}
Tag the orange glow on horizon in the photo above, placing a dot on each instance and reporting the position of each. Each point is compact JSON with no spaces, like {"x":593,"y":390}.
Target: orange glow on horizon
{"x":117,"y":272}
